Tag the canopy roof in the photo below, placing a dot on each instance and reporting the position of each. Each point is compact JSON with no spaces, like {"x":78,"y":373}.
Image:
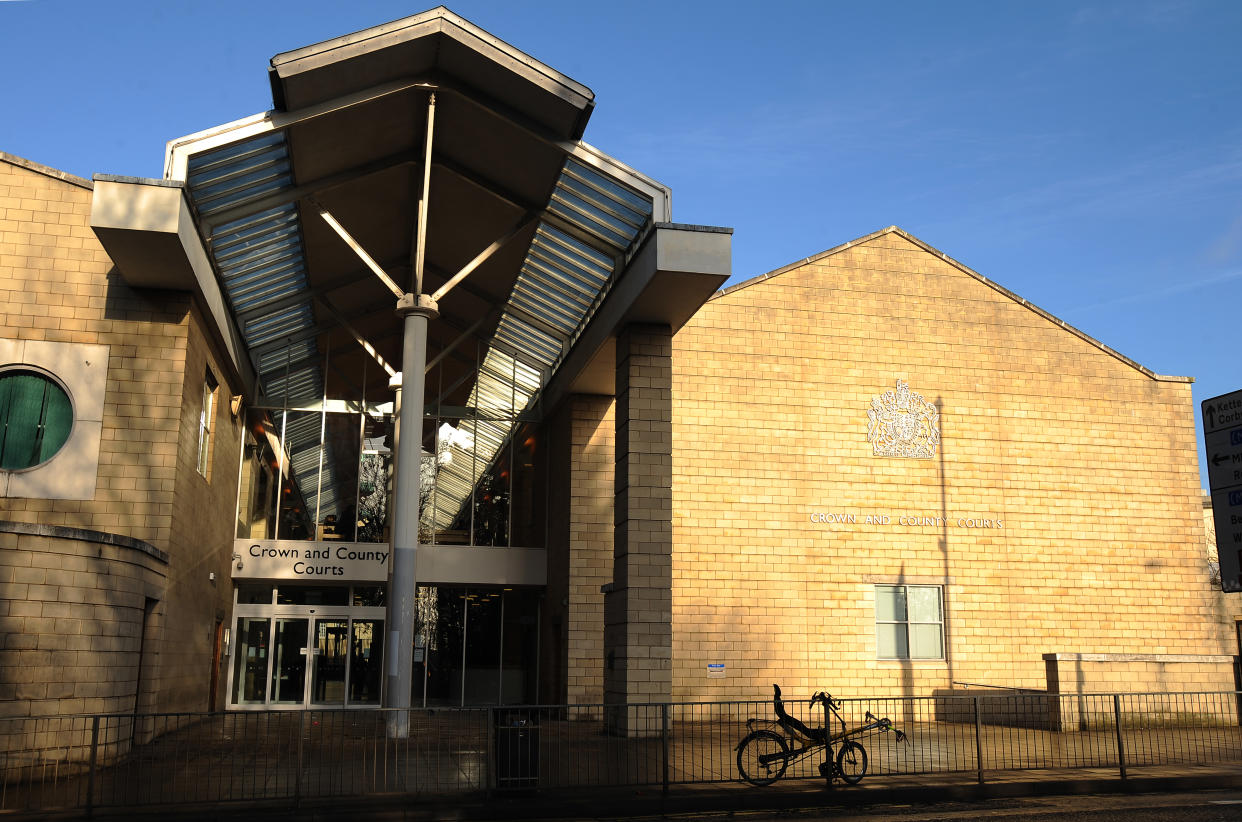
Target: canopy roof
{"x":351,"y":138}
{"x":548,"y":222}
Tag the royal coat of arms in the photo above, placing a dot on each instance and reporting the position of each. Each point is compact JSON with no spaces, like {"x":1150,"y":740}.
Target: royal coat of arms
{"x":901,"y":423}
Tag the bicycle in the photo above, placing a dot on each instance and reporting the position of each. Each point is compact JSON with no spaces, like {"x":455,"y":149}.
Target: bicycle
{"x":764,"y":754}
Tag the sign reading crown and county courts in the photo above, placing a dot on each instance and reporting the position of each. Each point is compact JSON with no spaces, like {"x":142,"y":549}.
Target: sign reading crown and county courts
{"x":1222,"y":438}
{"x":320,"y":561}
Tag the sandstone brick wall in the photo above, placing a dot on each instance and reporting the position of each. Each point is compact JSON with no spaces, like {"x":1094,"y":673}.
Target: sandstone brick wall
{"x":73,"y":621}
{"x":202,"y":531}
{"x":1089,"y":462}
{"x":57,"y":284}
{"x":1109,"y":673}
{"x":581,"y":458}
{"x":637,"y":602}
{"x":590,"y":559}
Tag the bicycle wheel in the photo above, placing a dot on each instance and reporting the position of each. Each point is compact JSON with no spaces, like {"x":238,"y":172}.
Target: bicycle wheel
{"x":852,"y":762}
{"x":762,"y":757}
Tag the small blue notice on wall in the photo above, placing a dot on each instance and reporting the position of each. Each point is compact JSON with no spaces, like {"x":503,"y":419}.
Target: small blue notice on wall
{"x":715,"y":670}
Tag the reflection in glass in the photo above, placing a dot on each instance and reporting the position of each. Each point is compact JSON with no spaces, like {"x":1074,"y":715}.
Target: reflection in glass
{"x":331,"y":647}
{"x":299,"y":494}
{"x":312,"y":595}
{"x":482,"y":686}
{"x":250,"y":662}
{"x":289,"y":662}
{"x":494,"y":631}
{"x":526,"y":526}
{"x":374,"y":479}
{"x":254,"y":594}
{"x":366,"y":661}
{"x":338,"y":478}
{"x":520,"y":651}
{"x":443,"y":654}
{"x":256,"y":498}
{"x":491,"y":509}
{"x":371,"y":596}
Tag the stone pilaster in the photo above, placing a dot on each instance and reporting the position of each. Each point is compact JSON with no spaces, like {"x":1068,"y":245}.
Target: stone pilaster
{"x":638,"y":602}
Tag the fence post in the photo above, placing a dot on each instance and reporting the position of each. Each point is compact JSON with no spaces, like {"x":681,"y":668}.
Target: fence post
{"x":297,"y":776}
{"x":493,"y":751}
{"x":1121,"y":750}
{"x":978,"y":740}
{"x":664,"y":741}
{"x":90,"y":776}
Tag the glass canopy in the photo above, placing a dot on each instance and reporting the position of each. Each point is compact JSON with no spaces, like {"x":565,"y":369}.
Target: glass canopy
{"x":247,"y":201}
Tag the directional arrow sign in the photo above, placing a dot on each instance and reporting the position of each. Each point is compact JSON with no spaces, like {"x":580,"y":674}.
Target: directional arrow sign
{"x":1222,"y":435}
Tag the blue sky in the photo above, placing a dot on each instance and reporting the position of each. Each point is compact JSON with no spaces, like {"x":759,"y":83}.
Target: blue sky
{"x":1087,"y":156}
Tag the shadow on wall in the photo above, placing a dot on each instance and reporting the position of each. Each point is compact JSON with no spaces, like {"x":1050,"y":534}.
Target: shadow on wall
{"x":124,"y":303}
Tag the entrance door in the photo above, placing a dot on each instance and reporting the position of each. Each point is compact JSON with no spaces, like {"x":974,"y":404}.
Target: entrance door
{"x":331,"y":653}
{"x":289,"y":639}
{"x":306,"y":646}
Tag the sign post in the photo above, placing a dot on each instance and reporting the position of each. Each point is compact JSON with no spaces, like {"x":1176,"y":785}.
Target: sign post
{"x":1222,"y":437}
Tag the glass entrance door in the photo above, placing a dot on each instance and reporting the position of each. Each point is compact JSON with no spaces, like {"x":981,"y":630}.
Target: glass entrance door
{"x":289,"y":662}
{"x":307,"y":646}
{"x":331,"y":653}
{"x":250,"y":661}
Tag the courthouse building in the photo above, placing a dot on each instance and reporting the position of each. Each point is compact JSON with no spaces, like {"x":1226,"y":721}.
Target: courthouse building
{"x":874,"y":471}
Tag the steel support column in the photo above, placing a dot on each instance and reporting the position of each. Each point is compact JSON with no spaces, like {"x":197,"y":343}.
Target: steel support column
{"x":415,"y":314}
{"x":416,"y":310}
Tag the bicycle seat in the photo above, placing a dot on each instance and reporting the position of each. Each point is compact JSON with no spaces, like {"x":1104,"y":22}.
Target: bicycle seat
{"x":794,"y":726}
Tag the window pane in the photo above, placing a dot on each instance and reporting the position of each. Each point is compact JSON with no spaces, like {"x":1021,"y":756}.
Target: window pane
{"x":374,"y":480}
{"x":312,"y":595}
{"x":299,"y":494}
{"x":371,"y":596}
{"x":924,"y":603}
{"x":338,"y":481}
{"x":256,"y":500}
{"x":289,"y":665}
{"x":890,"y":603}
{"x":248,"y":594}
{"x":890,"y":641}
{"x":35,"y":419}
{"x":366,"y":657}
{"x":926,"y":642}
{"x":250,"y":661}
{"x":57,"y":420}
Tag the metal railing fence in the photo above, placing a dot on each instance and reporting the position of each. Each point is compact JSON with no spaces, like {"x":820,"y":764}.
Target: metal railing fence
{"x":77,"y":762}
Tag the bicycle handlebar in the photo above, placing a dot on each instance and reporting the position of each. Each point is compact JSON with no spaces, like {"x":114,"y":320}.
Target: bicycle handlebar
{"x":826,"y":698}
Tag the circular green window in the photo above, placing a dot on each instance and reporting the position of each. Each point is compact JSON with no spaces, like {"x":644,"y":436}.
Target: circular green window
{"x":35,"y":418}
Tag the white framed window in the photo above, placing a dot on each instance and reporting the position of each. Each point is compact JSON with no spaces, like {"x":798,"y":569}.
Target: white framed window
{"x":206,"y":421}
{"x":909,"y":622}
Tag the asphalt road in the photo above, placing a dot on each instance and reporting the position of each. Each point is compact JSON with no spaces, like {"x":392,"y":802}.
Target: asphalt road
{"x":1199,"y":806}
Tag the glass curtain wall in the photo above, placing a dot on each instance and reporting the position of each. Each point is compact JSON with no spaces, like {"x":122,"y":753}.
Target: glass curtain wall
{"x":477,"y":646}
{"x":317,"y":463}
{"x":477,"y":486}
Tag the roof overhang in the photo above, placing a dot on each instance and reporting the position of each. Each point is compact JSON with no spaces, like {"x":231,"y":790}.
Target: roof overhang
{"x":560,"y":244}
{"x":148,"y":230}
{"x":434,"y":44}
{"x":675,"y":271}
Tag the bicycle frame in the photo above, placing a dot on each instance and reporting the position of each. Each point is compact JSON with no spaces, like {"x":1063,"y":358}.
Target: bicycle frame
{"x":809,"y":740}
